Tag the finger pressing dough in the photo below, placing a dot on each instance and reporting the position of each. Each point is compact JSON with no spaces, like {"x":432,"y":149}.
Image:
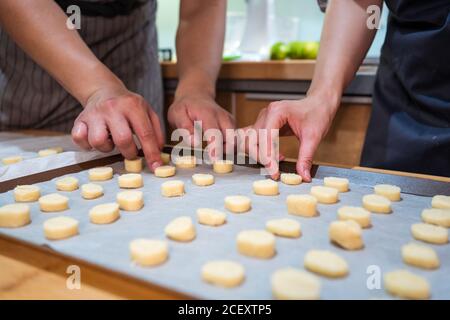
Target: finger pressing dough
{"x":238,"y":204}
{"x":47,"y":152}
{"x":302,"y":205}
{"x":27,"y":193}
{"x":376,"y":203}
{"x":14,"y":215}
{"x":100,"y":174}
{"x":223,"y":273}
{"x":256,"y":243}
{"x":133,"y":166}
{"x":181,"y":229}
{"x":67,"y":184}
{"x":420,"y":256}
{"x":357,"y":214}
{"x":131,"y":181}
{"x":284,"y":227}
{"x":186,"y":162}
{"x":389,"y":191}
{"x":341,"y":184}
{"x":147,"y":252}
{"x":165,"y":171}
{"x":104,"y":213}
{"x":130,"y":200}
{"x":265,"y":187}
{"x":325,"y":195}
{"x":53,"y":202}
{"x":440,"y":217}
{"x":165,"y":157}
{"x":440,"y":202}
{"x":326,"y":263}
{"x":211,"y":217}
{"x":347,"y":234}
{"x":290,"y":178}
{"x":11,"y":160}
{"x":223,"y":166}
{"x":60,"y":228}
{"x":407,"y":285}
{"x":91,"y":191}
{"x":202,"y":179}
{"x":293,"y":284}
{"x":429,"y":233}
{"x":173,"y":188}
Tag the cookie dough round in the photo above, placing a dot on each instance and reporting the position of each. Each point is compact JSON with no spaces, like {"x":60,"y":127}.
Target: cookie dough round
{"x":186,"y":162}
{"x":440,"y":217}
{"x":389,"y":191}
{"x":211,"y":217}
{"x":223,"y":273}
{"x":429,"y":233}
{"x":53,"y":202}
{"x":376,"y":203}
{"x":57,"y":149}
{"x":60,"y":228}
{"x":181,"y":229}
{"x":67,"y":184}
{"x":203,"y":179}
{"x":284,"y":228}
{"x":100,"y":174}
{"x":223,"y":166}
{"x":341,"y":184}
{"x":347,"y":234}
{"x":14,"y":215}
{"x":293,"y":284}
{"x":172,"y":188}
{"x":27,"y":193}
{"x":265,"y":187}
{"x":326,"y":263}
{"x":303,"y":205}
{"x":325,"y":195}
{"x":440,"y":202}
{"x":130,"y":200}
{"x":405,"y":284}
{"x":357,"y":214}
{"x":11,"y":160}
{"x":133,"y":166}
{"x":420,"y":256}
{"x":47,"y":152}
{"x":256,"y":243}
{"x":148,"y":252}
{"x":131,"y":181}
{"x":104,"y":213}
{"x":91,"y":191}
{"x":165,"y":157}
{"x":290,"y":178}
{"x":238,"y":204}
{"x":165,"y":171}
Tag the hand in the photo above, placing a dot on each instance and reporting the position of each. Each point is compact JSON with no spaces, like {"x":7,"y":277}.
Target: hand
{"x":110,"y":117}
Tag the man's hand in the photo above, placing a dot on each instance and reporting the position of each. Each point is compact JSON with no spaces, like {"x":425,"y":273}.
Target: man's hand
{"x":110,"y":117}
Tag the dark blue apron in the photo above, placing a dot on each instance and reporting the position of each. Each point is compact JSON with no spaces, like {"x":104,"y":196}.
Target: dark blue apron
{"x":409,"y":129}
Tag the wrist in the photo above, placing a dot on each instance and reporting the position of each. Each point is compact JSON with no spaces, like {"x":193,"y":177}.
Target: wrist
{"x":195,"y":85}
{"x":329,"y":98}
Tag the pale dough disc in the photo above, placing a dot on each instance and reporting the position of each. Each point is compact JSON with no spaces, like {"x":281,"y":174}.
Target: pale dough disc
{"x":100,"y":174}
{"x":172,"y":188}
{"x":14,"y":215}
{"x":376,"y":203}
{"x":27,"y":193}
{"x":284,"y":227}
{"x":357,"y":214}
{"x":223,"y":166}
{"x":165,"y":171}
{"x":341,"y":184}
{"x":67,"y":184}
{"x":256,"y":243}
{"x":11,"y":160}
{"x":290,"y":178}
{"x":133,"y":166}
{"x":53,"y":202}
{"x":347,"y":234}
{"x":420,"y":256}
{"x":303,"y":205}
{"x":429,"y":233}
{"x":57,"y":149}
{"x":147,"y":252}
{"x":292,"y":284}
{"x":325,"y":195}
{"x":104,"y":213}
{"x":131,"y":181}
{"x":165,"y":157}
{"x":440,"y":202}
{"x":91,"y":191}
{"x":181,"y":229}
{"x":211,"y":217}
{"x":223,"y":273}
{"x":326,"y":263}
{"x":238,"y":204}
{"x":130,"y":200}
{"x":389,"y":191}
{"x":186,"y":162}
{"x":60,"y":228}
{"x":47,"y":152}
{"x":203,"y":179}
{"x":405,"y":284}
{"x":440,"y":217}
{"x":265,"y":187}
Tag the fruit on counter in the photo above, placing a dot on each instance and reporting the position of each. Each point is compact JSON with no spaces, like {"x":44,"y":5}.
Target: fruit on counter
{"x":279,"y":51}
{"x":310,"y":50}
{"x":296,"y":49}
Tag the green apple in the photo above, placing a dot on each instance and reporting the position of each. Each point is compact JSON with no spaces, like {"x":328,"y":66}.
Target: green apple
{"x":296,"y":49}
{"x":279,"y":51}
{"x":310,"y":49}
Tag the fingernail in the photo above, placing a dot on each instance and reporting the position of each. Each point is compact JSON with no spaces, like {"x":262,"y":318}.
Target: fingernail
{"x":306,"y":175}
{"x":155,"y":165}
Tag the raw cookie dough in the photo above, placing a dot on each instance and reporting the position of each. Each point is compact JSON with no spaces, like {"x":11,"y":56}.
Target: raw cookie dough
{"x":172,"y":188}
{"x":133,"y":166}
{"x":405,"y":284}
{"x":57,"y":149}
{"x":302,"y":205}
{"x":420,"y":256}
{"x":60,"y":228}
{"x":357,"y":214}
{"x":211,"y":217}
{"x":223,"y":273}
{"x":284,"y":227}
{"x":265,"y":187}
{"x":440,"y":217}
{"x":67,"y":184}
{"x":130,"y":200}
{"x":389,"y":191}
{"x":256,"y":243}
{"x":14,"y":215}
{"x":293,"y":284}
{"x":147,"y":252}
{"x":326,"y":263}
{"x":27,"y":193}
{"x":238,"y":204}
{"x":91,"y":191}
{"x":223,"y":166}
{"x":341,"y":184}
{"x":131,"y":181}
{"x":325,"y":195}
{"x":53,"y":202}
{"x":429,"y":233}
{"x":203,"y":179}
{"x":11,"y":160}
{"x":347,"y":234}
{"x":376,"y":203}
{"x":440,"y":202}
{"x":165,"y":157}
{"x":165,"y":171}
{"x":186,"y":162}
{"x":47,"y":152}
{"x":100,"y":174}
{"x":181,"y":229}
{"x":104,"y":213}
{"x":290,"y":178}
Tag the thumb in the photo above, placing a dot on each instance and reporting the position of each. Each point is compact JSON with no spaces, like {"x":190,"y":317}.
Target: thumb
{"x":306,"y":152}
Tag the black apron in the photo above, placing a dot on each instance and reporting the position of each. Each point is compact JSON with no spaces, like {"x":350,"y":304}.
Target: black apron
{"x":409,"y":129}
